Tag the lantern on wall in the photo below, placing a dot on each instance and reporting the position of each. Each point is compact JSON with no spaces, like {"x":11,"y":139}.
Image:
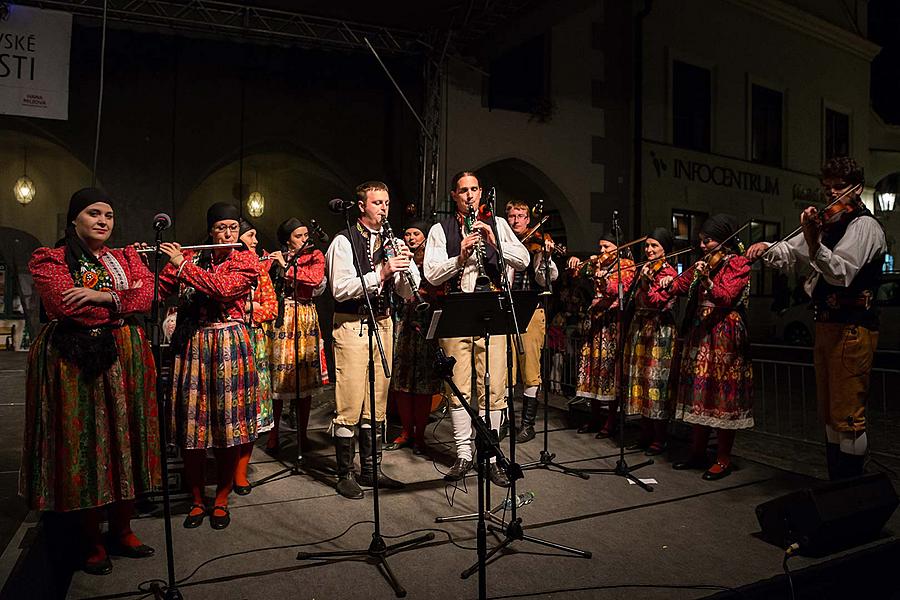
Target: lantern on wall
{"x":256,"y":204}
{"x":24,"y":188}
{"x":886,"y":201}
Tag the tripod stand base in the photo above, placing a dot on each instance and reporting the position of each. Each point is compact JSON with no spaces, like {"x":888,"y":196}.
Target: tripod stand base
{"x":377,"y":554}
{"x":546,"y":462}
{"x":167,"y":593}
{"x":513,"y":532}
{"x":623,"y":470}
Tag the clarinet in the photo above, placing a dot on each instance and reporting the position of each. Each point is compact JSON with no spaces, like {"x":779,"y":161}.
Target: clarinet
{"x":391,"y":250}
{"x":482,"y":281}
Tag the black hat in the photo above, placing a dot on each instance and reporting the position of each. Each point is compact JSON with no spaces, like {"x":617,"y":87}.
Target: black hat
{"x":245,"y":226}
{"x":222,"y":211}
{"x":719,"y":227}
{"x":287,"y":227}
{"x":420,"y":225}
{"x":609,"y":236}
{"x":83,"y":198}
{"x":664,"y":237}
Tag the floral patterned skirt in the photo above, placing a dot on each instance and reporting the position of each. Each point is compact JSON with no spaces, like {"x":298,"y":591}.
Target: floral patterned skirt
{"x":215,"y":397}
{"x":649,"y":353}
{"x":716,"y":377}
{"x":414,"y":355}
{"x":259,"y":342}
{"x":310,"y":351}
{"x":89,"y":443}
{"x":597,"y":363}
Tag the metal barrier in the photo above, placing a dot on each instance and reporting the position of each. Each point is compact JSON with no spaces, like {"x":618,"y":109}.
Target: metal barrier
{"x":784,"y":391}
{"x":785,"y":402}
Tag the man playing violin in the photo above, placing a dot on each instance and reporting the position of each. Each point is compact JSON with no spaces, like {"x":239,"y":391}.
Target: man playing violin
{"x":532,"y":278}
{"x":843,"y":250}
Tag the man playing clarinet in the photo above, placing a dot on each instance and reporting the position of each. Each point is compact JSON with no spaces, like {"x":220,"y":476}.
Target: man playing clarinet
{"x":381,"y":271}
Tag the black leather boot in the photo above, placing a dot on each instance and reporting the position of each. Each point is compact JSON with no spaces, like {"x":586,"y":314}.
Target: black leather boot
{"x":346,"y":483}
{"x":832,"y":458}
{"x":850,"y":465}
{"x":529,"y":413}
{"x":368,"y":471}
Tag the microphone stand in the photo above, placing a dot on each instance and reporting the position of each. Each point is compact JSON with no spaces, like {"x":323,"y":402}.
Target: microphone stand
{"x":511,"y":531}
{"x":294,"y":469}
{"x":171,"y":591}
{"x":377,"y":552}
{"x":621,"y":469}
{"x":546,"y":461}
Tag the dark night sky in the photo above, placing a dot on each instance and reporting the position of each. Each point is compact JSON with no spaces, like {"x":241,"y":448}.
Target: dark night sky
{"x":884,"y":30}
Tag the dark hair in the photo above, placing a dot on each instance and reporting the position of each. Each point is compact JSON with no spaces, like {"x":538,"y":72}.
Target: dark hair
{"x":844,"y":168}
{"x":454,"y":181}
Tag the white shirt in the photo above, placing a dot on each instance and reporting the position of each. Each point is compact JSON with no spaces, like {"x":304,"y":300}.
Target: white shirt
{"x":344,"y":280}
{"x":439,"y":267}
{"x":863,"y":240}
{"x":537,"y":264}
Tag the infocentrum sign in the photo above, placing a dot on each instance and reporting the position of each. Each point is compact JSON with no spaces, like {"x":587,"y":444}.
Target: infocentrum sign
{"x":699,"y":171}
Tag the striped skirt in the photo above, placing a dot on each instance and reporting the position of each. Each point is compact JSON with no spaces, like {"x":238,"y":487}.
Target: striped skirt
{"x":215,"y":389}
{"x":88,"y":444}
{"x":259,"y":341}
{"x":310,"y":351}
{"x":716,"y":377}
{"x":648,"y":351}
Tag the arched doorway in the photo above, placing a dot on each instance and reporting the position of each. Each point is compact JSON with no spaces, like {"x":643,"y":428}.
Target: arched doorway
{"x":516,"y":179}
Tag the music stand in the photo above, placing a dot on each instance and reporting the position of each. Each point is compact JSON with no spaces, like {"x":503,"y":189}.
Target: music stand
{"x":479,"y":314}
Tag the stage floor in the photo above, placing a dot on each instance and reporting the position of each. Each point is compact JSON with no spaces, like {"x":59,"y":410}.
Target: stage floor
{"x":687,"y":539}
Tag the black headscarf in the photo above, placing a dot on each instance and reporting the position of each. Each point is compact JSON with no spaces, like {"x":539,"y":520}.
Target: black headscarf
{"x":609,"y":236}
{"x":75,"y":246}
{"x":720,"y":227}
{"x":221,"y":211}
{"x":420,"y":225}
{"x":664,"y":237}
{"x":286,"y":228}
{"x":245,"y":226}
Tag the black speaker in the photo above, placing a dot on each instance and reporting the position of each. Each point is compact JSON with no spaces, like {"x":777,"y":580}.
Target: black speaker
{"x":829,"y":518}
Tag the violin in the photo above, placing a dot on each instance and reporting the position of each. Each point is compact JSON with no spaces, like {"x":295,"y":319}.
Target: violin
{"x":536,"y":244}
{"x":835,"y":210}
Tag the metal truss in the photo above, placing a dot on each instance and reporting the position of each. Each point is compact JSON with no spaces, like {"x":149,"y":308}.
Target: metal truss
{"x":235,"y":20}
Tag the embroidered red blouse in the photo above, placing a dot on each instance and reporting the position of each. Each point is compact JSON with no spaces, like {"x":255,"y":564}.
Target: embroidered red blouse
{"x":608,"y":297}
{"x":227,"y":283}
{"x":648,"y":293}
{"x":132,"y":287}
{"x":264,"y":294}
{"x":307,"y":275}
{"x":729,"y":284}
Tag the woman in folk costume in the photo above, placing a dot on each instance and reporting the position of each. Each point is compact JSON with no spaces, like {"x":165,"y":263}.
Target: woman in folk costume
{"x":715,"y":379}
{"x":597,"y":364}
{"x":414,"y":380}
{"x":91,"y":429}
{"x":259,"y":311}
{"x":300,"y":271}
{"x":215,"y":399}
{"x":649,"y":344}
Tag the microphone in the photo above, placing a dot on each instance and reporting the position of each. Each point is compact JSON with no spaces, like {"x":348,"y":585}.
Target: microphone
{"x":161,"y":222}
{"x":338,"y":206}
{"x":320,"y":233}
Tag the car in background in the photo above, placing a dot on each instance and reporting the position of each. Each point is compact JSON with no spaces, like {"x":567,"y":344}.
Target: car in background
{"x":795,"y":326}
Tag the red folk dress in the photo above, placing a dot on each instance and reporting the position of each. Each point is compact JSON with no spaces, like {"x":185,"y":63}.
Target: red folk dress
{"x":90,"y":442}
{"x":597,"y":364}
{"x":715,"y":386}
{"x":215,"y":400}
{"x":299,"y":282}
{"x":259,"y":323}
{"x":649,"y":347}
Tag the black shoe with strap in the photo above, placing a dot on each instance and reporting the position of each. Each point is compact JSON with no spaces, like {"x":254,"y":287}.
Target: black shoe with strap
{"x":721,"y":473}
{"x":192,"y":521}
{"x":459,"y":469}
{"x":217,"y":521}
{"x":98,"y":567}
{"x":498,"y":477}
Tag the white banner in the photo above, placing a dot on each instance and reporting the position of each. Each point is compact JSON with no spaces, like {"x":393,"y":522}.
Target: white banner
{"x":34,"y":63}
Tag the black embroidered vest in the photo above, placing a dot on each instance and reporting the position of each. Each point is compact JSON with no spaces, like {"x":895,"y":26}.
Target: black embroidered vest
{"x":453,"y":234}
{"x":854,"y":304}
{"x":381,"y":301}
